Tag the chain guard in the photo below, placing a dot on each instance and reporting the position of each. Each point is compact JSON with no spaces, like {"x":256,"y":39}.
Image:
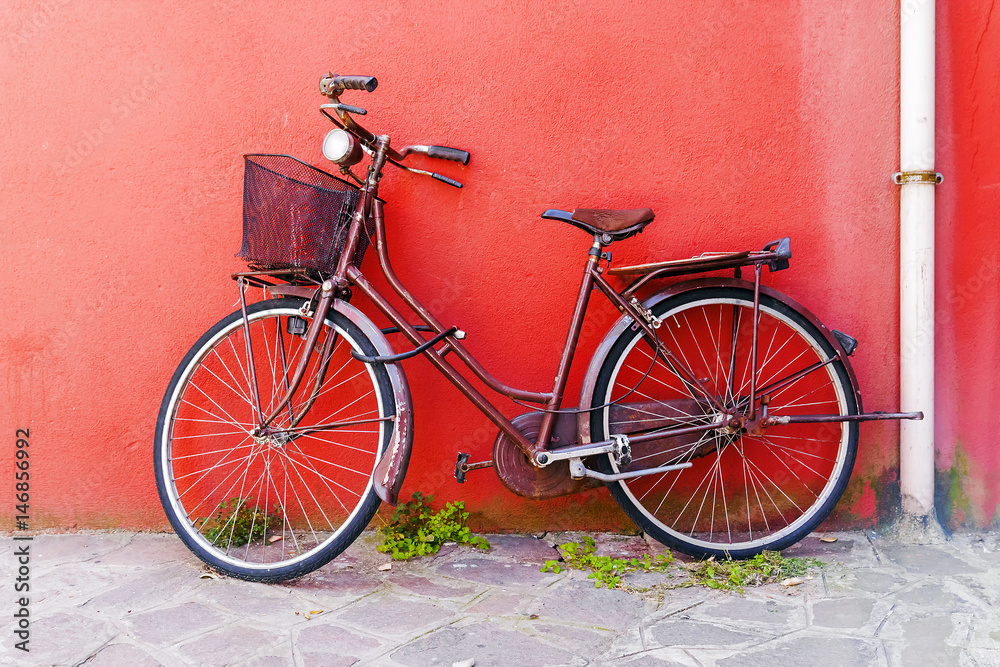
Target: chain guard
{"x":522,"y":478}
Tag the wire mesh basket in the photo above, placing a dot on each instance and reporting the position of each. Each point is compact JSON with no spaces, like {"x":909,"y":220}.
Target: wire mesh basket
{"x":295,"y":215}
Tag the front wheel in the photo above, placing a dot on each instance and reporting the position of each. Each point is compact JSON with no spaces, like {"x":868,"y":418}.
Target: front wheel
{"x":275,"y":505}
{"x":744,"y":492}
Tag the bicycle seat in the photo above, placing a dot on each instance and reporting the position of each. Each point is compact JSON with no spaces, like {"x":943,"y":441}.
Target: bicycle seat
{"x":618,"y":224}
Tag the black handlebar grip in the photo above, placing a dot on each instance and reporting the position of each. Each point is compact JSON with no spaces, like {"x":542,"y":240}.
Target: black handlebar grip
{"x":445,"y":153}
{"x":368,"y":83}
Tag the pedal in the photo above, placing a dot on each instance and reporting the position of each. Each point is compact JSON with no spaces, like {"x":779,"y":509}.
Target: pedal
{"x":461,"y":467}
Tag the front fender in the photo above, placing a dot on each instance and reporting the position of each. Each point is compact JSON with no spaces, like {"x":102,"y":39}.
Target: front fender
{"x":391,"y":468}
{"x":601,"y":353}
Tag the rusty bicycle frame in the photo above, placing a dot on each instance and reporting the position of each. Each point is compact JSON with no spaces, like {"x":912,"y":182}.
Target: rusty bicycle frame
{"x":750,"y":413}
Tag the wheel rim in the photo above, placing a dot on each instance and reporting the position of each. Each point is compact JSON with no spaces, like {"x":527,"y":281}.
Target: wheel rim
{"x":743,"y":491}
{"x":277,"y":499}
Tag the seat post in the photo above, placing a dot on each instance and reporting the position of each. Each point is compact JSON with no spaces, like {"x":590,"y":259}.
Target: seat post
{"x":572,"y":337}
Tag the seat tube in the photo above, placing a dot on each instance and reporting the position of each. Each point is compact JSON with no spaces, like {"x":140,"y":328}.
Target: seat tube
{"x":572,"y":337}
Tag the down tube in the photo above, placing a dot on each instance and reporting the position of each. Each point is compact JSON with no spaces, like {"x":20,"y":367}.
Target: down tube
{"x":446,"y":369}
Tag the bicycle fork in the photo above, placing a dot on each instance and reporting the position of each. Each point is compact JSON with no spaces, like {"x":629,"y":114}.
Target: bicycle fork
{"x":291,"y":386}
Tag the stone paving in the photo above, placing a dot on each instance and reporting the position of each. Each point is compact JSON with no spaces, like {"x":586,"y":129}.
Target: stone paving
{"x":111,"y":599}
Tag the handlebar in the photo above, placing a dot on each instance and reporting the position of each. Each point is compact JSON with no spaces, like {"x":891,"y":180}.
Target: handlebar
{"x":332,"y":85}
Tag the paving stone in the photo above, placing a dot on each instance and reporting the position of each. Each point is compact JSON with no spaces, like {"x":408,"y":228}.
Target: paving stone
{"x":497,"y":573}
{"x":69,"y":585}
{"x":843,"y":612}
{"x":807,"y":650}
{"x":339,"y":583}
{"x":426,"y":587}
{"x":67,"y":639}
{"x":116,"y":655}
{"x":488,"y":644}
{"x":521,"y":549}
{"x":390,"y":616}
{"x":590,"y":642}
{"x":322,"y":644}
{"x":925,"y":559}
{"x":742,"y":609}
{"x":621,"y":546}
{"x":660,"y":549}
{"x":692,"y":633}
{"x":164,"y":627}
{"x":928,"y":595}
{"x":643,"y":579}
{"x":681,"y":603}
{"x":875,"y":582}
{"x":155,"y":587}
{"x":54,"y":549}
{"x":228,"y":645}
{"x":925,"y":642}
{"x":984,"y":656}
{"x":282,"y":660}
{"x":811,"y":547}
{"x":342,"y":658}
{"x":646,"y":660}
{"x":272,"y":604}
{"x":144,"y":550}
{"x":580,"y":602}
{"x":499,"y":604}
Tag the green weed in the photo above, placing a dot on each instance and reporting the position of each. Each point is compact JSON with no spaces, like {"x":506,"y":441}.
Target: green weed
{"x":734,"y":575}
{"x":603,"y":569}
{"x":237,"y":524}
{"x":416,"y":530}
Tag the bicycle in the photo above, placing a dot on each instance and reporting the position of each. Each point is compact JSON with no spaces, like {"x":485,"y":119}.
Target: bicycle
{"x":721,"y":414}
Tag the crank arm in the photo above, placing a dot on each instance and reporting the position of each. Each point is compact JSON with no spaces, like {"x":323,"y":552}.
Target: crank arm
{"x":576,"y":452}
{"x":578,"y":471}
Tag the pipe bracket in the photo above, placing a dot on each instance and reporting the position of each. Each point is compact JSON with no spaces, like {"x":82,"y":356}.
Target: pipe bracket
{"x":904,"y":177}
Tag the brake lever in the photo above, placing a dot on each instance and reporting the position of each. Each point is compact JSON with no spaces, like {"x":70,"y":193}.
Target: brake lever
{"x":437,"y":177}
{"x":340,"y":106}
{"x":445,"y":179}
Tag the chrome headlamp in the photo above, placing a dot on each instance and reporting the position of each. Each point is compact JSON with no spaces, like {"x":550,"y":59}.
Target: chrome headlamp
{"x":340,"y":147}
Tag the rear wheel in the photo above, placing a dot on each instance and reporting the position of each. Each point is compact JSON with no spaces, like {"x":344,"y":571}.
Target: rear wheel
{"x":272,"y":506}
{"x":744,"y":492}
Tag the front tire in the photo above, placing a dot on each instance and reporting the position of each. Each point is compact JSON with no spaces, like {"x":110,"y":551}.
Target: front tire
{"x":272,"y":507}
{"x":744,"y":493}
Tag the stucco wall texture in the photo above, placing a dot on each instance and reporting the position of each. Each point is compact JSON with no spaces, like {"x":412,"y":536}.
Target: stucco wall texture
{"x":737,"y":122}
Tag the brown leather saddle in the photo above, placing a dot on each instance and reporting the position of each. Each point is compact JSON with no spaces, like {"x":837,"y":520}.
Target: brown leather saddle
{"x":618,"y":224}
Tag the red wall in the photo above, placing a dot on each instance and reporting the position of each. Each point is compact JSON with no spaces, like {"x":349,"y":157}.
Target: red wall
{"x":736,"y":122}
{"x":968,"y":265}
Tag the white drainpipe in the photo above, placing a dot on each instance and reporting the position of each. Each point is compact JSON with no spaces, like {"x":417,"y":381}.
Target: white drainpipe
{"x":916,"y":218}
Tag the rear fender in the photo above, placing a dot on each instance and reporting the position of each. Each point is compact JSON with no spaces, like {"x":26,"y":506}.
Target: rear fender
{"x":624,"y":322}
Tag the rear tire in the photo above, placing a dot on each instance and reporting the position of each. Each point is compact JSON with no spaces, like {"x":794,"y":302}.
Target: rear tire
{"x":277,"y":507}
{"x":744,"y":493}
